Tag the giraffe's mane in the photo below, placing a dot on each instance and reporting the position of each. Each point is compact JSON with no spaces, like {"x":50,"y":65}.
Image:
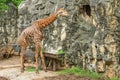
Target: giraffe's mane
{"x":42,"y":23}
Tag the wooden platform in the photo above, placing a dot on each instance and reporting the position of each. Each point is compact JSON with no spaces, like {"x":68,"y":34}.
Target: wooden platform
{"x":54,"y":61}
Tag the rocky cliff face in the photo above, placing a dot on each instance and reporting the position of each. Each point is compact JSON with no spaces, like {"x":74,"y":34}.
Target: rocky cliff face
{"x":8,"y":30}
{"x":90,"y":35}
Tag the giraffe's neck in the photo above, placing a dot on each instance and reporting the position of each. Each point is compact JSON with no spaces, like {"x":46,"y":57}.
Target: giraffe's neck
{"x":42,"y":23}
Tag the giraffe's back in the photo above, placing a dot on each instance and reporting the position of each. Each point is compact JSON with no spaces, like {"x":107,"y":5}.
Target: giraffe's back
{"x":30,"y":35}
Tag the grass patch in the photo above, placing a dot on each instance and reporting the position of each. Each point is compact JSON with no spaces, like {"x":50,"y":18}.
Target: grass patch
{"x":80,"y":72}
{"x":30,"y":69}
{"x":115,"y":79}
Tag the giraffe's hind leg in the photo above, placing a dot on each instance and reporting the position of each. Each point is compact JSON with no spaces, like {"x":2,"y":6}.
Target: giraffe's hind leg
{"x":22,"y":58}
{"x":36,"y":57}
{"x":42,"y":59}
{"x":39,"y":49}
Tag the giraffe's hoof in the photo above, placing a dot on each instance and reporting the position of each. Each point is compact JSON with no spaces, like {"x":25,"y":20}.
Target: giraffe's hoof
{"x":45,"y":70}
{"x":22,"y":71}
{"x":37,"y":72}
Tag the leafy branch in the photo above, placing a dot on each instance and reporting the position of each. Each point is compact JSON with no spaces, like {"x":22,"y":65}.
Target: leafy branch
{"x":4,"y":4}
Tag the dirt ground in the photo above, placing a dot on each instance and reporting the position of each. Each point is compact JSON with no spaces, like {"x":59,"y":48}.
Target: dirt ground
{"x":8,"y":72}
{"x":15,"y":60}
{"x":10,"y":69}
{"x":66,"y":77}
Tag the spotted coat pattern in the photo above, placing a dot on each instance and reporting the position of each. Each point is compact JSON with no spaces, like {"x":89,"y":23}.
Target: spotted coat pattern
{"x":33,"y":35}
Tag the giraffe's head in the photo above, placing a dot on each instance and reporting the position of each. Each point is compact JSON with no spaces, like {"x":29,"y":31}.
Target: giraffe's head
{"x":62,"y":12}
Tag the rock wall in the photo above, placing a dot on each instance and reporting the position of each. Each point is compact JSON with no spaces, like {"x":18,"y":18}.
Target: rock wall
{"x":90,"y":35}
{"x":8,"y":30}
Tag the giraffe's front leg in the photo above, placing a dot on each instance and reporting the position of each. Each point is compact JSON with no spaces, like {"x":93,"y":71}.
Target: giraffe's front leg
{"x":42,"y":59}
{"x":36,"y":57}
{"x":22,"y":58}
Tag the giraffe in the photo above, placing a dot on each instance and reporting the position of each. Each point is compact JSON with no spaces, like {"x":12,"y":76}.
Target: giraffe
{"x":33,"y":35}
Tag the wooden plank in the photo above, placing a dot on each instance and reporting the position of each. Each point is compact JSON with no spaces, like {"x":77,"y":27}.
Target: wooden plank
{"x":54,"y":56}
{"x":50,"y":55}
{"x":9,"y":66}
{"x":17,"y":65}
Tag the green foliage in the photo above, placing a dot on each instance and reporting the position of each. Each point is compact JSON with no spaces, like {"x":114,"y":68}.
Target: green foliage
{"x":17,"y":2}
{"x":61,"y":52}
{"x":3,"y":6}
{"x":81,"y":72}
{"x":4,"y":3}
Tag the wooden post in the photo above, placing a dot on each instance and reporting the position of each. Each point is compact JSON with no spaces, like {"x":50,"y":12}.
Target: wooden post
{"x":54,"y":65}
